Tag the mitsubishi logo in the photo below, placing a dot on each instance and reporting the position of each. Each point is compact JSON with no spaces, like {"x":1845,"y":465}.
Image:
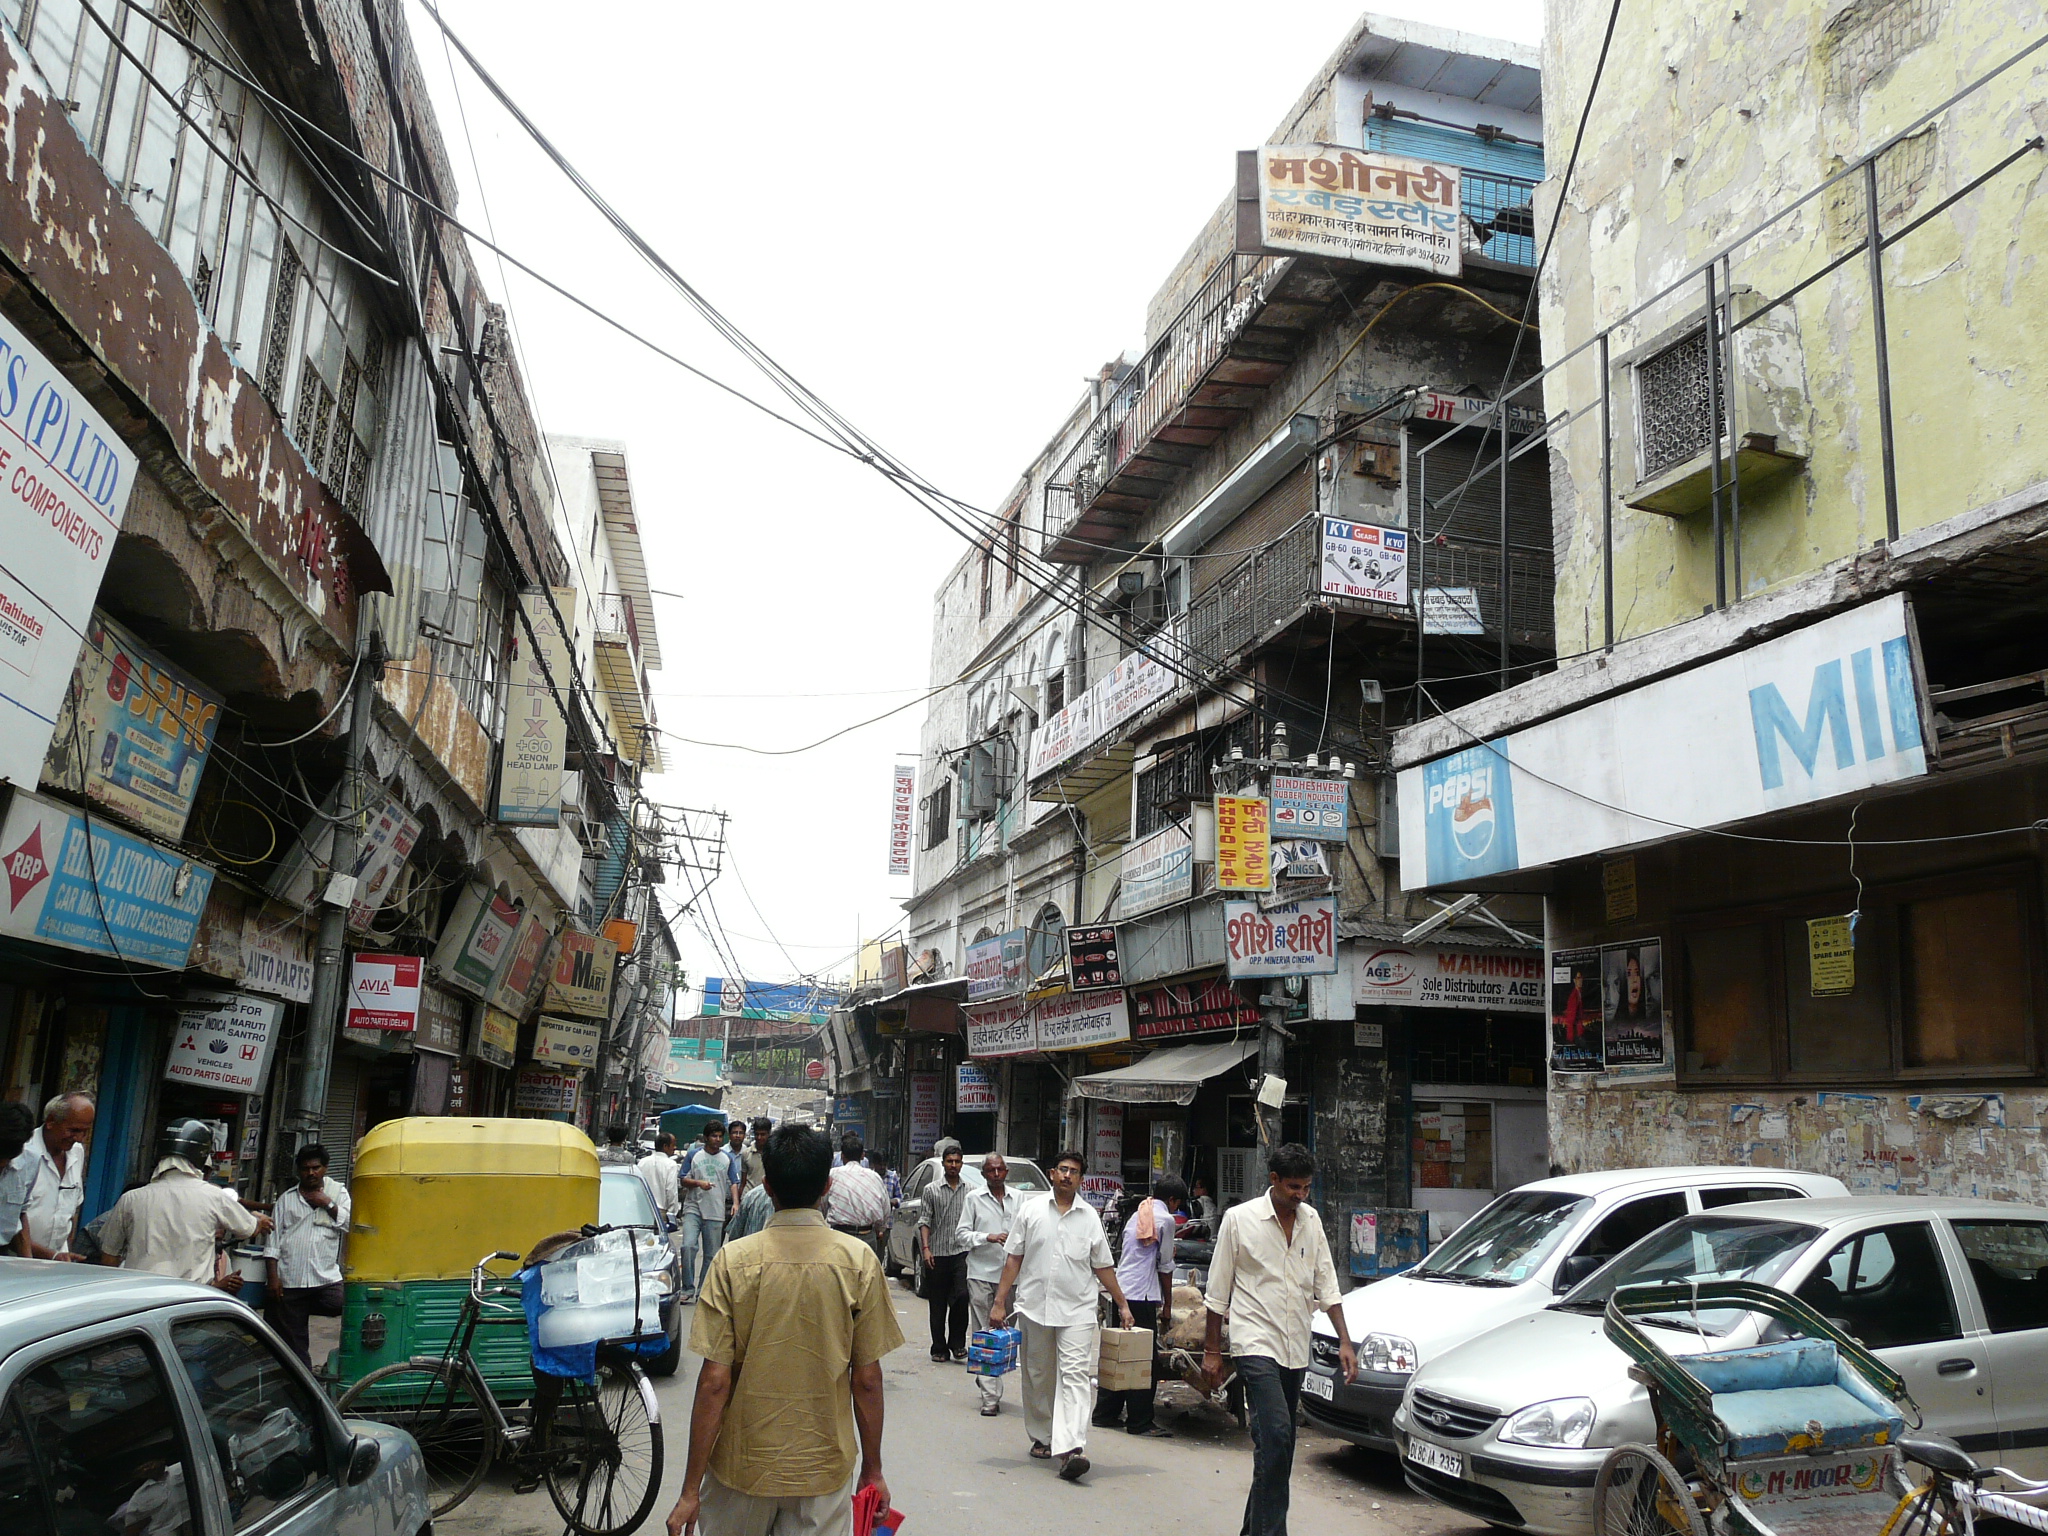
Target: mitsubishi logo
{"x":26,"y":868}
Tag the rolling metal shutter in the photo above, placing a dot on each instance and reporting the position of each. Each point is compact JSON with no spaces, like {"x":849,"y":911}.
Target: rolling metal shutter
{"x":1475,"y":516}
{"x":1293,"y":499}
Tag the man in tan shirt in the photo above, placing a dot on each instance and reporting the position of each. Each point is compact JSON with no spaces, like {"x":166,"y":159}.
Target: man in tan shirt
{"x":792,"y":1324}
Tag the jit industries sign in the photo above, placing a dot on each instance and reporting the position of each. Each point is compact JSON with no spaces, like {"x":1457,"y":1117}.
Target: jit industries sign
{"x":1825,"y":711}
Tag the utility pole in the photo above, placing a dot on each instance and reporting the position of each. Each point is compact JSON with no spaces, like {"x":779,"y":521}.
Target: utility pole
{"x":323,"y":1014}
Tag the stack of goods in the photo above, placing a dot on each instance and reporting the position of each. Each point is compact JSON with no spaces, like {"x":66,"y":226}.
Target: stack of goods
{"x":993,"y":1351}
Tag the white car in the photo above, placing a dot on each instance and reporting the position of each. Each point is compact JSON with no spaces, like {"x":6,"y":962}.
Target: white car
{"x":1950,"y":1293}
{"x":1513,"y":1258}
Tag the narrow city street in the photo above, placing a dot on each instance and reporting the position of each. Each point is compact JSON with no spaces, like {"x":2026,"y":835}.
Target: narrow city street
{"x":954,"y":1473}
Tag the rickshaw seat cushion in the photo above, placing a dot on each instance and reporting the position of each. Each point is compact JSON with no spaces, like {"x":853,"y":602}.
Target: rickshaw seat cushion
{"x":1784,"y":1420}
{"x":1767,"y":1367}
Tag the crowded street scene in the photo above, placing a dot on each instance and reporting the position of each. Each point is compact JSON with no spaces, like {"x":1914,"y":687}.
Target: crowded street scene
{"x":731,"y":840}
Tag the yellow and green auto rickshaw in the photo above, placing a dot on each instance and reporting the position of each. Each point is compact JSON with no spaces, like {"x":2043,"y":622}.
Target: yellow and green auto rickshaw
{"x":432,"y":1195}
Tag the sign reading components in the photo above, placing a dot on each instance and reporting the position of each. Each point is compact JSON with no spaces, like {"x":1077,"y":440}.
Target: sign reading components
{"x":223,"y":1040}
{"x":65,"y":479}
{"x":1824,"y":711}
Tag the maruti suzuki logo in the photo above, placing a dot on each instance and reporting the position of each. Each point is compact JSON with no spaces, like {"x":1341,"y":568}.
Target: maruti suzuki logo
{"x":26,"y":868}
{"x":1881,"y":681}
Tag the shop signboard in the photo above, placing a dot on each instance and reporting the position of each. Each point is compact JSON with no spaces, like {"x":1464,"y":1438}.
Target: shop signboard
{"x":1081,"y":1020}
{"x":1316,"y":808}
{"x":65,"y":478}
{"x":582,"y":979}
{"x":536,"y":737}
{"x":522,"y":969}
{"x":1191,"y":1008}
{"x":1142,"y":678}
{"x":1448,"y":976}
{"x":444,"y":1021}
{"x":1325,"y":200}
{"x":474,"y":944}
{"x":1244,"y":844}
{"x":1833,"y":709}
{"x":847,"y":1115}
{"x":1297,"y":939}
{"x":926,"y":1111}
{"x":384,"y":992}
{"x":546,"y":1093}
{"x":1006,"y":1028}
{"x":389,"y":833}
{"x":116,"y":895}
{"x":974,"y":1091}
{"x":902,"y":799}
{"x":222,"y":1040}
{"x":567,"y":1045}
{"x":771,"y":1063}
{"x":1158,"y":871}
{"x":134,"y":732}
{"x":277,"y":955}
{"x":1451,"y":611}
{"x":995,"y":966}
{"x":1094,"y":958}
{"x":1363,"y":562}
{"x":497,"y":1037}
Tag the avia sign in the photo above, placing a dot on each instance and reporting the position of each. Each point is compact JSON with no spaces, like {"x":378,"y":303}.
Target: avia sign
{"x":1825,"y":711}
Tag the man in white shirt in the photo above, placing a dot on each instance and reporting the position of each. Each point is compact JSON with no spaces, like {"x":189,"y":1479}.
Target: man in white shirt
{"x":19,"y":1167}
{"x":305,"y":1251}
{"x":663,"y":1179}
{"x":59,"y":1147}
{"x":985,"y":1222}
{"x":1271,"y":1272}
{"x":174,"y":1223}
{"x":1057,"y":1256}
{"x":857,"y":1202}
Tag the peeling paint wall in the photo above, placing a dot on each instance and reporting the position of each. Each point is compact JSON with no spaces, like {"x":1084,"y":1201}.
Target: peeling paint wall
{"x":441,"y":723}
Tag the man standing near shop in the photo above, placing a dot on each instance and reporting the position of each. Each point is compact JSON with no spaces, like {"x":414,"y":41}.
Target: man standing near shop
{"x":174,"y":1224}
{"x":708,"y":1179}
{"x":792,"y":1326}
{"x":305,"y":1251}
{"x":59,"y":1149}
{"x":944,"y":1248}
{"x":1271,"y":1273}
{"x":856,"y":1203}
{"x":1145,"y":1267}
{"x":985,"y":1223}
{"x":659,"y":1173}
{"x":1057,"y":1255}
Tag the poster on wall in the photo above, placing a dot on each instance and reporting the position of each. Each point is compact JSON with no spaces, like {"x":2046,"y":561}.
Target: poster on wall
{"x":536,"y":738}
{"x":974,"y":1091}
{"x":384,"y":992}
{"x":113,"y":894}
{"x":1365,"y":563}
{"x":222,"y":1040}
{"x":925,"y":1112}
{"x":582,"y":979}
{"x":1632,"y":1003}
{"x":1244,"y":844}
{"x":1575,"y":1001}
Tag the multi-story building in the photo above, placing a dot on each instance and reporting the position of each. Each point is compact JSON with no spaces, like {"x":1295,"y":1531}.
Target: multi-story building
{"x":1781,"y":796}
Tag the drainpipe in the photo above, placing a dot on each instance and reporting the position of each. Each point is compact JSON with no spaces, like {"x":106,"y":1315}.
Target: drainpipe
{"x":323,"y":1013}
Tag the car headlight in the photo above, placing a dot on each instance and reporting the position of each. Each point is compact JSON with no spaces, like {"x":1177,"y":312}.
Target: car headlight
{"x":1564,"y":1422}
{"x":1388,"y":1353}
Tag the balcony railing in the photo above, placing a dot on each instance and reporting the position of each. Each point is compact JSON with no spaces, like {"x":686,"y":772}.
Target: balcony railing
{"x":1500,"y":218}
{"x":612,"y":615}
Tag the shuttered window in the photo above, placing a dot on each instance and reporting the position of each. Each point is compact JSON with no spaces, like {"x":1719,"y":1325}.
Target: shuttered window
{"x":1293,"y":499}
{"x":1476,"y":514}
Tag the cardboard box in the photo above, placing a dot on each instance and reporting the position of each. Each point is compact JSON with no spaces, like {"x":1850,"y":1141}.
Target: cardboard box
{"x":1125,"y":1364}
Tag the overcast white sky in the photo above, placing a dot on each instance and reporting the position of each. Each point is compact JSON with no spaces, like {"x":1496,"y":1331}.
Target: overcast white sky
{"x":897,"y":202}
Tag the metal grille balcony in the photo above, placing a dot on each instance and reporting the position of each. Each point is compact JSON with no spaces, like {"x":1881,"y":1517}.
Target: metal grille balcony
{"x":1500,"y":218}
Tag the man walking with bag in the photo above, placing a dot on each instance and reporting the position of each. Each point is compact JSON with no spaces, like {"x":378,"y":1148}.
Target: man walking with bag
{"x":985,"y":1223}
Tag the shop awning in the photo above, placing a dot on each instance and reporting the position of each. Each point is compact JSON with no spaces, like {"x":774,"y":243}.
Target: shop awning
{"x":1170,"y":1076}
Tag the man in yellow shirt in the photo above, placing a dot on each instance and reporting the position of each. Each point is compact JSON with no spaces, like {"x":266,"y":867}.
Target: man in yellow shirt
{"x":792,"y":1324}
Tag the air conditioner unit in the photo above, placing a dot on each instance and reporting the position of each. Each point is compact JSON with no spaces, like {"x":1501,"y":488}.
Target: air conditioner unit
{"x":448,"y":616}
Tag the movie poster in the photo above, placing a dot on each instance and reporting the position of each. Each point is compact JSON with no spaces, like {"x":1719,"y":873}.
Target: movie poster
{"x":1575,"y":1004}
{"x":1632,"y":1003}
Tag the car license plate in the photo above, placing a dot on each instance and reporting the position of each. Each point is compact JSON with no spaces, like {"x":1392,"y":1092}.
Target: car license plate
{"x":1436,"y":1458}
{"x":1324,"y":1387}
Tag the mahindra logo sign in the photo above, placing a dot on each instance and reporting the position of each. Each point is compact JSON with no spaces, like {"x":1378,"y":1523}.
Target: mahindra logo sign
{"x":26,"y":867}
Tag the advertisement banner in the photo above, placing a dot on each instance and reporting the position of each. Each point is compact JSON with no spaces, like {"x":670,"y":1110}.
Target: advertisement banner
{"x":384,"y":992}
{"x":974,"y":1091}
{"x":546,"y":1093}
{"x":522,"y":970}
{"x":1191,"y":1008}
{"x":1324,"y":200}
{"x":381,"y":852}
{"x":1244,"y":844}
{"x":65,"y":477}
{"x":1093,"y":957}
{"x":1318,"y":808}
{"x":995,"y":966}
{"x":1081,"y":1020}
{"x":567,"y":1045}
{"x":1365,"y":562}
{"x":1298,"y":939}
{"x":134,"y":732}
{"x":223,"y":1040}
{"x":474,"y":944}
{"x":1445,"y":976}
{"x":925,"y":1112}
{"x":1825,"y":711}
{"x":902,"y":805}
{"x":277,"y":955}
{"x":1106,"y":1137}
{"x":1001,"y":1029}
{"x":1141,"y":679}
{"x":444,"y":1021}
{"x":116,"y":895}
{"x":497,"y":1038}
{"x":1632,"y":1004}
{"x":536,"y":736}
{"x":1575,"y":1002}
{"x":582,"y":979}
{"x":1158,"y":871}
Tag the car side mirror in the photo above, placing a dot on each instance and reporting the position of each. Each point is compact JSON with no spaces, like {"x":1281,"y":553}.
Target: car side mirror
{"x":365,"y":1452}
{"x":1576,"y":1268}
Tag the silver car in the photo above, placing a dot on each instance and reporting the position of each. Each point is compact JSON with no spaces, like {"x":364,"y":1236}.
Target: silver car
{"x":1951,"y":1293}
{"x":899,"y":1255}
{"x":137,"y":1405}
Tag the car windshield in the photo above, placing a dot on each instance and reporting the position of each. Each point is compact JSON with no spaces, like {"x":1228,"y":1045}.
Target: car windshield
{"x":1024,"y":1179}
{"x":1695,"y":1250}
{"x":623,"y":1201}
{"x":1508,"y":1241}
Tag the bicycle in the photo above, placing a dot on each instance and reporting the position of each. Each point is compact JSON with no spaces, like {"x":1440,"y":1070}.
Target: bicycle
{"x":597,"y":1447}
{"x":1948,"y":1503}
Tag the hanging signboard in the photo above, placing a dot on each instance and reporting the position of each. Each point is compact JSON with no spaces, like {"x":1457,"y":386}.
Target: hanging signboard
{"x":134,"y":732}
{"x":974,"y":1091}
{"x":582,"y":979}
{"x":1093,"y":957}
{"x":1325,"y":200}
{"x":277,"y":955}
{"x":1191,"y":1008}
{"x":522,"y":970}
{"x":1007,"y":1028}
{"x":1318,"y":808}
{"x":389,"y":833}
{"x":476,"y":941}
{"x":1451,"y":611}
{"x":1365,"y":562}
{"x":1158,"y":871}
{"x":1081,"y":1020}
{"x":546,"y":1093}
{"x":1298,"y":939}
{"x":568,"y":1045}
{"x":497,"y":1037}
{"x":222,"y":1040}
{"x":1445,"y":976}
{"x":1831,"y":956}
{"x":1244,"y":844}
{"x":117,"y":895}
{"x":444,"y":1021}
{"x":65,"y":478}
{"x":995,"y":966}
{"x":536,"y":737}
{"x":384,"y":992}
{"x":902,"y":800}
{"x":926,"y":1111}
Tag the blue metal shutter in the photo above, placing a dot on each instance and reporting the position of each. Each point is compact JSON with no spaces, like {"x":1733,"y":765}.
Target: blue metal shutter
{"x":1453,"y":146}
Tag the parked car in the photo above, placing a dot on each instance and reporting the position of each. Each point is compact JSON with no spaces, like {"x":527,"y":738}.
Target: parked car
{"x":623,"y":1199}
{"x":1950,"y":1293}
{"x":900,"y":1255}
{"x":133,"y":1402}
{"x":1513,"y":1258}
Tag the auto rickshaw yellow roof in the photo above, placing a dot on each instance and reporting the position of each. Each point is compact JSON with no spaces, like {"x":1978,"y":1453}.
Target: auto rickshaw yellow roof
{"x":450,"y":1145}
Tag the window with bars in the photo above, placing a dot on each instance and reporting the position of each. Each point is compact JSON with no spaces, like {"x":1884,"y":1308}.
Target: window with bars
{"x":1167,"y":788}
{"x":936,"y":811}
{"x":1674,"y":408}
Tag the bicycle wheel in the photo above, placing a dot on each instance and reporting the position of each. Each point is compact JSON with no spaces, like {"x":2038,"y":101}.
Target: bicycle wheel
{"x":434,"y":1404}
{"x":605,"y":1469}
{"x":1639,"y":1493}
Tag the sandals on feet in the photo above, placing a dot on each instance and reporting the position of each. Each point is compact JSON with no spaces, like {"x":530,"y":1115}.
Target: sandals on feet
{"x":1040,"y":1451}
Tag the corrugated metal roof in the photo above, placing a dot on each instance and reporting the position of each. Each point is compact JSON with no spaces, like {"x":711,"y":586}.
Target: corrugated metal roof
{"x":622,"y":530}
